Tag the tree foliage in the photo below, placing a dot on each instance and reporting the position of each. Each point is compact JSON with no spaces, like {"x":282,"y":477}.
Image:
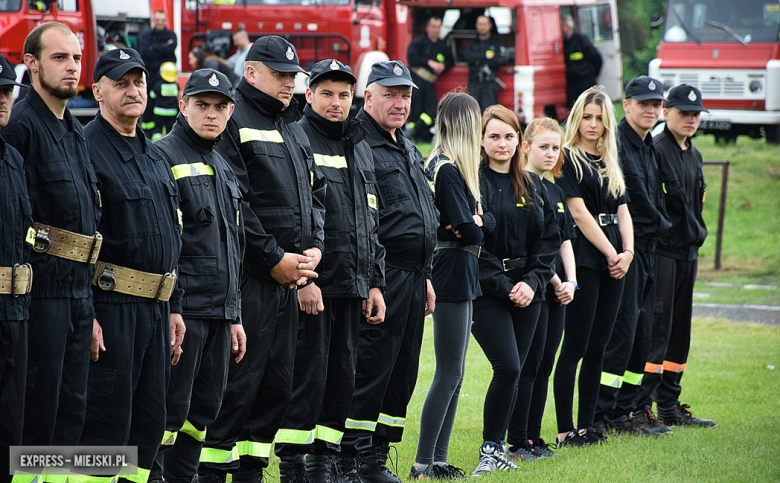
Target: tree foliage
{"x":637,"y":41}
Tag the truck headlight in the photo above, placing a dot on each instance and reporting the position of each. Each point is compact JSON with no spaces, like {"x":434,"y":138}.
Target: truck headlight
{"x":755,"y":86}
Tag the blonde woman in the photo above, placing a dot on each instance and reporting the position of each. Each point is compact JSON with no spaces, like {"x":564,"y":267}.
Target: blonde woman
{"x":595,"y":195}
{"x":454,"y":167}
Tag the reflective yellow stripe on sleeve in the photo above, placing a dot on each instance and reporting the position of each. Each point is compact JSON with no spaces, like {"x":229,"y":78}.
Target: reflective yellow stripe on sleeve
{"x":576,"y":56}
{"x":194,"y":169}
{"x":248,"y":134}
{"x":328,"y":161}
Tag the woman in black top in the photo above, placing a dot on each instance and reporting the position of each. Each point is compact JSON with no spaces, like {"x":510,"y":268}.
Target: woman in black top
{"x":454,"y":167}
{"x":542,"y":151}
{"x":595,"y":194}
{"x":514,"y":267}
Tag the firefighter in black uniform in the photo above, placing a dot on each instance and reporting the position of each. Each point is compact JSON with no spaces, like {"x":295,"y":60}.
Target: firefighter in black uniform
{"x":283,"y":212}
{"x":348,"y":289}
{"x":428,"y":58}
{"x":389,"y":353}
{"x":626,"y":353}
{"x":583,"y":61}
{"x":15,"y":278}
{"x":135,"y":274}
{"x":680,"y":165}
{"x":209,"y":272}
{"x":485,"y":55}
{"x":63,"y":191}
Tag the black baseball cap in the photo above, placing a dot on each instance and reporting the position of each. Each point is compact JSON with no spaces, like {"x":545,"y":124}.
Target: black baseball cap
{"x":208,"y":80}
{"x":390,"y":73}
{"x":276,"y":53}
{"x":644,"y":88}
{"x":331,"y":69}
{"x":685,"y":98}
{"x":7,"y":73}
{"x":116,"y":63}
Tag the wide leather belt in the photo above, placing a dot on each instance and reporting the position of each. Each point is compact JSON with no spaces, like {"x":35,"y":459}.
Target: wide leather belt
{"x":605,"y":219}
{"x":113,"y":278}
{"x":514,"y":263}
{"x":473,"y":249}
{"x":16,"y":280}
{"x":66,"y":244}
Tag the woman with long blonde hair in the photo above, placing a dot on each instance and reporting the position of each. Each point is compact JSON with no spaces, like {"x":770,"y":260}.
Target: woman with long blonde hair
{"x":595,"y":195}
{"x":515,"y":266}
{"x":454,"y":168}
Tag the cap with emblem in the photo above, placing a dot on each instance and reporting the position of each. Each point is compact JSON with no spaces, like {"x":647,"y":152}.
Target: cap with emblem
{"x":208,"y":80}
{"x":685,"y":98}
{"x":276,"y":53}
{"x":390,"y":73}
{"x":644,"y":88}
{"x":114,"y":64}
{"x":331,"y":69}
{"x":7,"y":73}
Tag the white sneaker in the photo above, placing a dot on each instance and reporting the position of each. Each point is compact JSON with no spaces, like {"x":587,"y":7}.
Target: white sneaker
{"x":491,"y":458}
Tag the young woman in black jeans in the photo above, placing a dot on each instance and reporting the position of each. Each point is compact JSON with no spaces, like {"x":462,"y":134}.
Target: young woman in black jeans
{"x":454,"y":167}
{"x":514,"y":267}
{"x":595,"y":194}
{"x":542,"y":151}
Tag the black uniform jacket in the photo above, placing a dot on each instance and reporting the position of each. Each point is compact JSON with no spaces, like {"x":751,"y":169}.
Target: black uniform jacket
{"x":407,"y":216}
{"x":62,"y":186}
{"x":475,"y":54}
{"x":154,"y":49}
{"x":140,"y":222}
{"x":353,"y":261}
{"x":643,"y":187}
{"x":213,"y":238}
{"x":15,"y":221}
{"x":421,"y":50}
{"x":283,"y":192}
{"x":684,"y":187}
{"x":565,"y":222}
{"x":521,"y":231}
{"x":582,"y":59}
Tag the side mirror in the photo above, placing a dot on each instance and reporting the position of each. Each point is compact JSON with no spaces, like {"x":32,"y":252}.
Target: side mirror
{"x":656,"y":20}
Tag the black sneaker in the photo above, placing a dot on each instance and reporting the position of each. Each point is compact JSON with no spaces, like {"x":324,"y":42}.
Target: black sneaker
{"x":594,"y":437}
{"x":572,"y":439}
{"x":450,"y":472}
{"x":647,"y":422}
{"x":426,"y":473}
{"x":681,"y":416}
{"x":543,"y":449}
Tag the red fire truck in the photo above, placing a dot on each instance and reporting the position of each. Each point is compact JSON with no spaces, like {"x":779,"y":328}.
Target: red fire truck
{"x":731,"y":51}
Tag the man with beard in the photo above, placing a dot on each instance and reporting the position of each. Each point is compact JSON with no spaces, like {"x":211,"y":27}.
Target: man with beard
{"x":136,"y":274}
{"x":15,"y":279}
{"x":63,"y":191}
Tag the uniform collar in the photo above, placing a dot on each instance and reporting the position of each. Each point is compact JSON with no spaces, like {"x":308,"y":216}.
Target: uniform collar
{"x":633,"y":137}
{"x":184,"y":130}
{"x":376,"y":135}
{"x":4,"y":152}
{"x":49,"y":119}
{"x":266,"y":105}
{"x":351,"y":129}
{"x":118,"y":141}
{"x":673,"y":140}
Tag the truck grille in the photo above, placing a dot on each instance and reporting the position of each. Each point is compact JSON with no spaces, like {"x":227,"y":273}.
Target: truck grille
{"x":716,"y":84}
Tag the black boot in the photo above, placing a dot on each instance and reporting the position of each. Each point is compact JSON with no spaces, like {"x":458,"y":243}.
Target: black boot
{"x":251,"y":475}
{"x":347,"y":468}
{"x":373,"y":468}
{"x":210,"y":476}
{"x":292,"y":469}
{"x":319,"y":468}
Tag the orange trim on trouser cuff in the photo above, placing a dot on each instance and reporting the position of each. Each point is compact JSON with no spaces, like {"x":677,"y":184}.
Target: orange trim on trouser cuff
{"x":653,"y":368}
{"x":673,"y":367}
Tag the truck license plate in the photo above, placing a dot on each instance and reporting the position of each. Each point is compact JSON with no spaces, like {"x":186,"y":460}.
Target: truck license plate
{"x":715,"y":125}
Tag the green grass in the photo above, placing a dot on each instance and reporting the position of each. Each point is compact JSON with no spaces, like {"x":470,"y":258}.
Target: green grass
{"x":727,"y":379}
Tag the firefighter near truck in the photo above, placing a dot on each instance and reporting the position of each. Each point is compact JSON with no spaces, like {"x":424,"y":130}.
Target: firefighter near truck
{"x":731,"y":51}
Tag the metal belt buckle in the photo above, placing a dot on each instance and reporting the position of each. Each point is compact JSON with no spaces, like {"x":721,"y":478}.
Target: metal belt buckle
{"x":107,"y":281}
{"x":162,"y":285}
{"x":97,"y":242}
{"x":14,"y":274}
{"x":503,"y":264}
{"x":479,"y":251}
{"x":603,"y":220}
{"x":42,"y":240}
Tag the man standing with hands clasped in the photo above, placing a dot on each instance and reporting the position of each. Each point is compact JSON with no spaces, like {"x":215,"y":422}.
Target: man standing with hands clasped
{"x":485,"y":55}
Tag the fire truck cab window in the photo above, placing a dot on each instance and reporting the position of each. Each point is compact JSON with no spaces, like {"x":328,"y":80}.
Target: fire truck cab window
{"x":716,"y":21}
{"x":10,"y":5}
{"x":67,"y":6}
{"x":596,"y":22}
{"x":458,"y":27}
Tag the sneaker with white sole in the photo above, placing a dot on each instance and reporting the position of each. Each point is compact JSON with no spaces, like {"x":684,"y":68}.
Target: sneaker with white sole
{"x":491,"y":458}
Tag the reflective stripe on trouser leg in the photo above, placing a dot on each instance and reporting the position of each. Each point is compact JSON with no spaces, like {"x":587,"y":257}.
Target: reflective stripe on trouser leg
{"x":329,"y":435}
{"x":360,"y":425}
{"x":169,"y":437}
{"x":392,"y":421}
{"x":254,"y":449}
{"x":193,"y":432}
{"x":141,"y":477}
{"x":654,"y":368}
{"x":674,"y":367}
{"x":219,"y":456}
{"x":632,"y":378}
{"x":294,"y":436}
{"x":611,"y":380}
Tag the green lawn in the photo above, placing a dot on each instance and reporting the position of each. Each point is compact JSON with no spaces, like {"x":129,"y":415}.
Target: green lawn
{"x":727,"y":378}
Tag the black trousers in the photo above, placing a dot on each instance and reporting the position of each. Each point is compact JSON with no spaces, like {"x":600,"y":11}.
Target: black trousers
{"x":626,"y":354}
{"x":13,"y":374}
{"x":124,"y":403}
{"x":486,"y":93}
{"x":388,"y":360}
{"x":258,"y":388}
{"x":423,"y":111}
{"x":526,"y":420}
{"x":194,"y":398}
{"x":671,"y":339}
{"x":59,"y":336}
{"x":323,"y":379}
{"x":590,"y":318}
{"x":505,"y":333}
